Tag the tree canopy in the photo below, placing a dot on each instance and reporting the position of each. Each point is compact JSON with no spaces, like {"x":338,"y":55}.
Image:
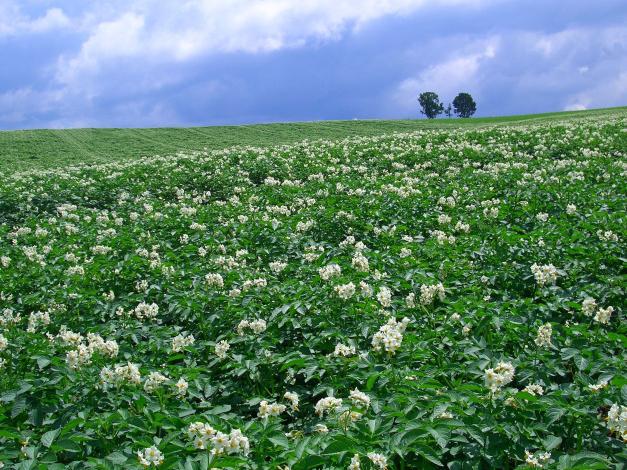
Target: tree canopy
{"x":430,"y":104}
{"x":464,"y":105}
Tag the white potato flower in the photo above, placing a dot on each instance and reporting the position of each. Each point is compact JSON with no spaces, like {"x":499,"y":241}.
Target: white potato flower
{"x":359,"y":398}
{"x":390,"y":335}
{"x":378,"y":460}
{"x":292,"y":397}
{"x":345,"y":291}
{"x":150,"y":456}
{"x":603,"y":315}
{"x":181,"y":387}
{"x":327,"y":405}
{"x":180,"y":342}
{"x":222,"y":348}
{"x":543,"y":339}
{"x":617,"y":420}
{"x":499,"y":376}
{"x":545,"y":274}
{"x":538,"y":460}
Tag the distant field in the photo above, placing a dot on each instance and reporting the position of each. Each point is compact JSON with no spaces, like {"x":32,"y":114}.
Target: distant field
{"x":21,"y":150}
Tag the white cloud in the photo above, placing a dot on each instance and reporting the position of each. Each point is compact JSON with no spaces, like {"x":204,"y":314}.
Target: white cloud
{"x":577,"y":68}
{"x":459,"y":72}
{"x":109,"y":40}
{"x":53,"y":19}
{"x":180,"y":31}
{"x":564,"y":43}
{"x":14,"y":23}
{"x":611,"y":92}
{"x":575,"y":107}
{"x":17,"y":105}
{"x":601,"y":83}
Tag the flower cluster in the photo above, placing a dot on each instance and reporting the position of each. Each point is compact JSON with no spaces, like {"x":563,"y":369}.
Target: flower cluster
{"x":359,"y":399}
{"x":390,"y":335}
{"x":499,"y":376}
{"x":543,"y":339}
{"x":329,"y":271}
{"x":545,"y":274}
{"x":429,"y":293}
{"x":327,"y":405}
{"x":344,"y":350}
{"x":154,"y":381}
{"x":617,"y":420}
{"x":150,"y":456}
{"x":205,"y":436}
{"x":144,"y":310}
{"x":222,"y":348}
{"x":120,"y":375}
{"x":256,"y":326}
{"x":292,"y":397}
{"x":345,"y":291}
{"x":539,"y":460}
{"x":180,"y":342}
{"x":270,"y":409}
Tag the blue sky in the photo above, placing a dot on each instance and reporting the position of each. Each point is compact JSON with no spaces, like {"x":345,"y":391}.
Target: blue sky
{"x":145,"y":63}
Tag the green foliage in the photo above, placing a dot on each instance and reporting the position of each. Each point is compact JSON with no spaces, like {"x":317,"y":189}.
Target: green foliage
{"x":103,"y":266}
{"x":430,"y":104}
{"x":464,"y":105}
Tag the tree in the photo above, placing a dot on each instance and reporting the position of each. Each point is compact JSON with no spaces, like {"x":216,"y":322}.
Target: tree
{"x":448,"y":111}
{"x":430,"y":104}
{"x":464,"y":105}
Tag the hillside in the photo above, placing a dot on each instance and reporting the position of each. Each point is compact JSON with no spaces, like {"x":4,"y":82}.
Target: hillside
{"x":22,"y":150}
{"x":444,"y":299}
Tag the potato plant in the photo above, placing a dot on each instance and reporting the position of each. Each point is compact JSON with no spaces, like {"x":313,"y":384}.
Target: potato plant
{"x":436,"y":299}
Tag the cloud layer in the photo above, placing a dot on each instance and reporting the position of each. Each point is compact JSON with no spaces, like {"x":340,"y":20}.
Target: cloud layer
{"x":195,"y":62}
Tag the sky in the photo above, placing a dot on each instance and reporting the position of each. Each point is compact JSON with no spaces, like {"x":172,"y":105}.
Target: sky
{"x":149,"y":63}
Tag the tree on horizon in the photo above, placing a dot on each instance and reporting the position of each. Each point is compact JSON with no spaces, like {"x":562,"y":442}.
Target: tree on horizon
{"x":430,"y":104}
{"x":448,"y":111}
{"x":464,"y":105}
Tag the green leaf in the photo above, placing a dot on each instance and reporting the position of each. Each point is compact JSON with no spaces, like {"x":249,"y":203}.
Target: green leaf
{"x":371,"y":381}
{"x":340,"y":444}
{"x":42,"y":362}
{"x":66,"y":445}
{"x":9,"y":434}
{"x":619,"y":381}
{"x":441,"y":436}
{"x":117,"y":458}
{"x":583,"y":461}
{"x":429,"y":454}
{"x":218,"y":410}
{"x":187,"y":412}
{"x":49,"y":437}
{"x":555,"y":414}
{"x":8,"y":396}
{"x":410,"y":436}
{"x":279,"y":440}
{"x":581,"y":362}
{"x":311,"y":461}
{"x":526,"y":396}
{"x":18,"y":406}
{"x":551,"y":442}
{"x":302,"y":446}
